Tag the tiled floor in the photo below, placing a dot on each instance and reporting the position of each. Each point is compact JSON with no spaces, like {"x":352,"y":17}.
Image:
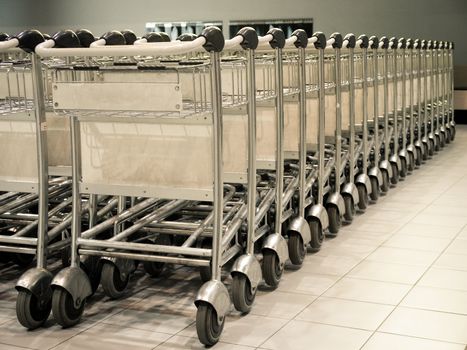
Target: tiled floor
{"x":394,"y":279}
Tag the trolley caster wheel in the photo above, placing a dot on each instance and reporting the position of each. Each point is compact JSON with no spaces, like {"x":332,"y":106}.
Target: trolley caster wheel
{"x":154,"y":268}
{"x":385,"y":184}
{"x":93,"y":268}
{"x":431,"y":147}
{"x":448,"y":136}
{"x":363,"y":197}
{"x":411,"y":164}
{"x":442,"y":139}
{"x":418,"y":162}
{"x":349,"y":208}
{"x":22,"y":260}
{"x":297,"y":250}
{"x":453,"y":133}
{"x":395,"y":174}
{"x":242,"y":296}
{"x":31,"y":313}
{"x":335,"y":221}
{"x":113,"y":283}
{"x":425,"y":151}
{"x":437,"y":143}
{"x":403,"y":170}
{"x":208,"y":327}
{"x":317,"y":235}
{"x":65,"y":312}
{"x":374,"y":195}
{"x":271,"y":268}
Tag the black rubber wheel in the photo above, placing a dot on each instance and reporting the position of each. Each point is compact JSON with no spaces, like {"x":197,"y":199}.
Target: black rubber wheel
{"x":93,"y":268}
{"x":207,"y":325}
{"x":418,"y":161}
{"x":403,"y":169}
{"x":411,"y":163}
{"x":431,"y":147}
{"x":453,"y":132}
{"x":350,"y":210}
{"x":374,"y":195}
{"x":242,"y":296}
{"x":30,"y":313}
{"x":112,"y":282}
{"x":437,"y":141}
{"x":64,"y":310}
{"x":385,"y":184}
{"x":317,"y":235}
{"x":154,"y":268}
{"x":297,"y":250}
{"x":362,"y":196}
{"x":22,"y":260}
{"x":425,"y":151}
{"x":272,"y":271}
{"x":395,"y":174}
{"x":448,"y":135}
{"x":335,"y":221}
{"x":442,"y":139}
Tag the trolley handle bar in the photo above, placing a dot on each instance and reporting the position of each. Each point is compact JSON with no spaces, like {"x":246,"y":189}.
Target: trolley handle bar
{"x":9,"y":44}
{"x":47,"y":49}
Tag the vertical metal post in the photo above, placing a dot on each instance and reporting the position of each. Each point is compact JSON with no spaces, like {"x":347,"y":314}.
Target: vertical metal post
{"x":338,"y":132}
{"x":352,"y":114}
{"x":432,"y":91}
{"x":76,"y":196}
{"x":451,"y":76}
{"x":366,"y":151}
{"x":92,"y":210}
{"x":218,"y":190}
{"x":443,"y":89}
{"x":395,"y":102}
{"x":387,"y":140}
{"x":251,"y":91}
{"x":436,"y":93}
{"x":42,"y":160}
{"x":419,"y":92}
{"x":321,"y":125}
{"x":279,"y":138}
{"x":376,"y":105}
{"x":425,"y":92}
{"x":411,"y":99}
{"x":404,"y":101}
{"x":303,"y":126}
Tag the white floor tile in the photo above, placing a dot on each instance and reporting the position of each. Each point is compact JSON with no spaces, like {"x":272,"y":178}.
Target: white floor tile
{"x":427,"y":324}
{"x":386,"y":341}
{"x":346,"y":313}
{"x":452,"y":261}
{"x":402,"y":256}
{"x":387,"y":272}
{"x":314,"y":284}
{"x":443,"y":278}
{"x":104,"y":336}
{"x":417,"y":243}
{"x":12,"y":333}
{"x":299,"y":335}
{"x":370,"y":291}
{"x":329,"y":265}
{"x":458,"y":246}
{"x":280,"y":304}
{"x":427,"y":230}
{"x":437,"y":299}
{"x":443,"y":220}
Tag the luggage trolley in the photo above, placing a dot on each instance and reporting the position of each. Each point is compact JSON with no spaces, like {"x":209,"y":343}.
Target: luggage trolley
{"x":185,"y":126}
{"x":35,"y":207}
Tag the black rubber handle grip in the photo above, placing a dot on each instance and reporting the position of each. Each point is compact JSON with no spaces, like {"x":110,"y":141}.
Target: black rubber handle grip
{"x":337,"y":40}
{"x":351,"y":40}
{"x":320,"y":42}
{"x":302,"y":38}
{"x":114,"y":37}
{"x":29,"y":39}
{"x":130,"y":36}
{"x":86,"y":38}
{"x":250,"y":38}
{"x":66,"y":39}
{"x":214,"y":39}
{"x":278,"y":38}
